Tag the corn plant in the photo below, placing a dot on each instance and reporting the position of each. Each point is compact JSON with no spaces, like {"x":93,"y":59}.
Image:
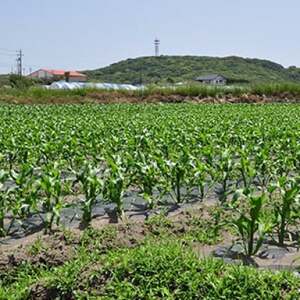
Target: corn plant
{"x":201,"y":178}
{"x":263,"y":165}
{"x":115,"y":183}
{"x":249,"y":222}
{"x":246,"y":169}
{"x":146,"y":178}
{"x":24,"y":191}
{"x":4,"y":201}
{"x":286,"y":205}
{"x":224,"y":170}
{"x":92,"y":187}
{"x":50,"y":185}
{"x":180,"y":169}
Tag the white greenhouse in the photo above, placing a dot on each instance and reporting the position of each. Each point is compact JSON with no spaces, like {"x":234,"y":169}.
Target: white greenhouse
{"x":63,"y":85}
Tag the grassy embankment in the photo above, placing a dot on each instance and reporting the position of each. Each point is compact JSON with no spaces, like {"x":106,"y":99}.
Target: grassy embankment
{"x":256,"y":93}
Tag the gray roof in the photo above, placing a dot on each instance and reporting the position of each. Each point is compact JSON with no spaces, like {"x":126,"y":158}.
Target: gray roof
{"x":209,"y":77}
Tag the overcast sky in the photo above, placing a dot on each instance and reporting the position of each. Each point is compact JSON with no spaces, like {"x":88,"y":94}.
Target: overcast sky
{"x":78,"y":35}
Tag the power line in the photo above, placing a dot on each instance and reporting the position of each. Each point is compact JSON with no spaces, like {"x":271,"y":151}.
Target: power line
{"x":5,"y":64}
{"x":19,"y":60}
{"x":12,"y":53}
{"x":7,"y":50}
{"x":6,"y":54}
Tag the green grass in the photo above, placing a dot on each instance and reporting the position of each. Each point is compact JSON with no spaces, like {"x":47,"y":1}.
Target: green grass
{"x":154,"y":270}
{"x":289,"y":89}
{"x":39,"y":92}
{"x":203,"y":91}
{"x":41,"y":95}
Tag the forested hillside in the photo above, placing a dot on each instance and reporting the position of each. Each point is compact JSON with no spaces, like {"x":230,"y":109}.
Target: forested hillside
{"x":185,"y":68}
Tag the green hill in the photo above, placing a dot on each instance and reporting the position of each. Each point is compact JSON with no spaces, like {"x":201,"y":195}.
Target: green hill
{"x":185,"y":68}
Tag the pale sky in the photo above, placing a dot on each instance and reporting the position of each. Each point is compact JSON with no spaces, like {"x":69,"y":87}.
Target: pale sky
{"x":79,"y":35}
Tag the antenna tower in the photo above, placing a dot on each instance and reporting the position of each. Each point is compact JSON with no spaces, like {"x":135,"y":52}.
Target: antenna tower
{"x":156,"y":46}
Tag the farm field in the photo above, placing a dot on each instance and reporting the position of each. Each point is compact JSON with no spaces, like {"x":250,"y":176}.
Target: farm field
{"x":150,"y":201}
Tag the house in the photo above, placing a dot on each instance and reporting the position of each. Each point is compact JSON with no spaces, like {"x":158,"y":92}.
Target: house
{"x":70,"y":76}
{"x":212,"y":79}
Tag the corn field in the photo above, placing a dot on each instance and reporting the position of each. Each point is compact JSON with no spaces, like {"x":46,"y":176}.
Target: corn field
{"x":247,"y":157}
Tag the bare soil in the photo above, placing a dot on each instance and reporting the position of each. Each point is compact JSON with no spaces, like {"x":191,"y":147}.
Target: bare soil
{"x":41,"y":292}
{"x":37,"y":250}
{"x":119,"y":97}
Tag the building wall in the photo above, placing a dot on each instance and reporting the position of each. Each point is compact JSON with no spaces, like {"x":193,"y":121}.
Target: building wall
{"x":41,"y":74}
{"x":77,"y":79}
{"x":219,"y":81}
{"x":44,"y":74}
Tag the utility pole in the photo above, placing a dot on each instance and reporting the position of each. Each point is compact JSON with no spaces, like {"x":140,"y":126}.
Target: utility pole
{"x":20,"y":62}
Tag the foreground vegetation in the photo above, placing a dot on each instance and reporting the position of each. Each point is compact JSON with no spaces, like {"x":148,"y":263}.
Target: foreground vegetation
{"x":150,"y":260}
{"x":244,"y":157}
{"x":153,"y":270}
